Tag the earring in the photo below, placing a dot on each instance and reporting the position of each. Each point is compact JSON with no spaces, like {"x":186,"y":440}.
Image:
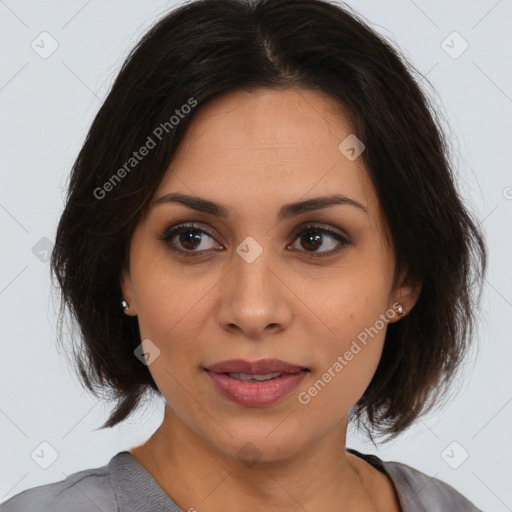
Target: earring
{"x":400,"y":309}
{"x":125,"y":305}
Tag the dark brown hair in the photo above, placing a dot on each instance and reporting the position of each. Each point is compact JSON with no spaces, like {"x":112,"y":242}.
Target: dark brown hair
{"x":208,"y":48}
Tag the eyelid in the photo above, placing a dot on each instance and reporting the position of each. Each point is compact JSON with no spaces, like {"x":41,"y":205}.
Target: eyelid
{"x":174,"y":228}
{"x":334,"y":231}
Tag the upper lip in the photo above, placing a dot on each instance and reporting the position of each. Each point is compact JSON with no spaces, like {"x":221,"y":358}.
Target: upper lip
{"x":261,"y":367}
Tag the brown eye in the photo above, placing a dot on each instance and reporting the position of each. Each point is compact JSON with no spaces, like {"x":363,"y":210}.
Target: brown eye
{"x":190,"y":239}
{"x":186,"y":239}
{"x":313,"y":237}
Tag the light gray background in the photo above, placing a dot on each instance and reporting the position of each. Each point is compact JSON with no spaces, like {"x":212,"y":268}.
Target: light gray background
{"x":47,"y":106}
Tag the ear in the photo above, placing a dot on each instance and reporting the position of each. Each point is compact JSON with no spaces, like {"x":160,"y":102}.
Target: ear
{"x":405,"y":293}
{"x":127,"y":291}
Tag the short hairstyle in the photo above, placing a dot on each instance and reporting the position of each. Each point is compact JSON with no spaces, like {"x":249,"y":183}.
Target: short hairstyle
{"x":207,"y":48}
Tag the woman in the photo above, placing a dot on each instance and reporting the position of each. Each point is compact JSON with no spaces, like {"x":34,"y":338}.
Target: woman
{"x":262,"y":228}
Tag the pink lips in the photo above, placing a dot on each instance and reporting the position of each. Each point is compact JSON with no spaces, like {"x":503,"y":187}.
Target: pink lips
{"x":255,"y":394}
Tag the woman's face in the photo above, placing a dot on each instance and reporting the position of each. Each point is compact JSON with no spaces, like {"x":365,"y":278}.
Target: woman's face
{"x":248,"y":286}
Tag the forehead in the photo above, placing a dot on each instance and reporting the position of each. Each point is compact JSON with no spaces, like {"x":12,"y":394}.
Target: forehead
{"x":283,"y":121}
{"x":276,"y":146}
{"x":270,"y":117}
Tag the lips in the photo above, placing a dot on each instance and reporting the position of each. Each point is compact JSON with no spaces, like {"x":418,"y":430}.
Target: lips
{"x":261,"y":367}
{"x":255,"y":384}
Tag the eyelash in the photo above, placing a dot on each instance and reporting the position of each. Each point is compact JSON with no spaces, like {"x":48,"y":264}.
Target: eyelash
{"x":171,"y":232}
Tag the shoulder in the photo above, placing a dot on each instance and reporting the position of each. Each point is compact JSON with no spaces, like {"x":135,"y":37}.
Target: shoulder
{"x":83,"y":491}
{"x":424,"y":492}
{"x":417,"y":491}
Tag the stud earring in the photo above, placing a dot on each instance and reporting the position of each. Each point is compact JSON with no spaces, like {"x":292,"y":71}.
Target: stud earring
{"x":125,"y":305}
{"x":400,"y":309}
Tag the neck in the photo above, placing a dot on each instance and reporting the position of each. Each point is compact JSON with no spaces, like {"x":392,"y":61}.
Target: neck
{"x":198,"y":476}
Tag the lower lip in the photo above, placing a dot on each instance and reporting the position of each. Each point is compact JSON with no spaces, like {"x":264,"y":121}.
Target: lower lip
{"x":256,"y":394}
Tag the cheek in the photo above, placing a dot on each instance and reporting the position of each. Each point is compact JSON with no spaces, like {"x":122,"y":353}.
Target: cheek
{"x":344,"y":370}
{"x":358,"y":301}
{"x":173,"y":322}
{"x":361,"y":325}
{"x":356,"y":317}
{"x":172,"y":314}
{"x":170,"y":301}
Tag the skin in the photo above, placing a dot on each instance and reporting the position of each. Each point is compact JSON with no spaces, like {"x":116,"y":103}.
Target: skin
{"x":254,"y":152}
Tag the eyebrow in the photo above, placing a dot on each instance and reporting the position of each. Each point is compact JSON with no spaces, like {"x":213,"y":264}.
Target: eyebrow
{"x":289,"y":210}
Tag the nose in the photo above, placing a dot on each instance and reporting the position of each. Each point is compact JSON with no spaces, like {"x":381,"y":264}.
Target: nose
{"x":255,"y":297}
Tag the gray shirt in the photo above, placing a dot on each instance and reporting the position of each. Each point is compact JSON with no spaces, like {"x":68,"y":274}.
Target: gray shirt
{"x":124,"y":485}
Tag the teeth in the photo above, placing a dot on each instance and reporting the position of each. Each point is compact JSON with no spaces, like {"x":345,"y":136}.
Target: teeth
{"x":257,"y":378}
